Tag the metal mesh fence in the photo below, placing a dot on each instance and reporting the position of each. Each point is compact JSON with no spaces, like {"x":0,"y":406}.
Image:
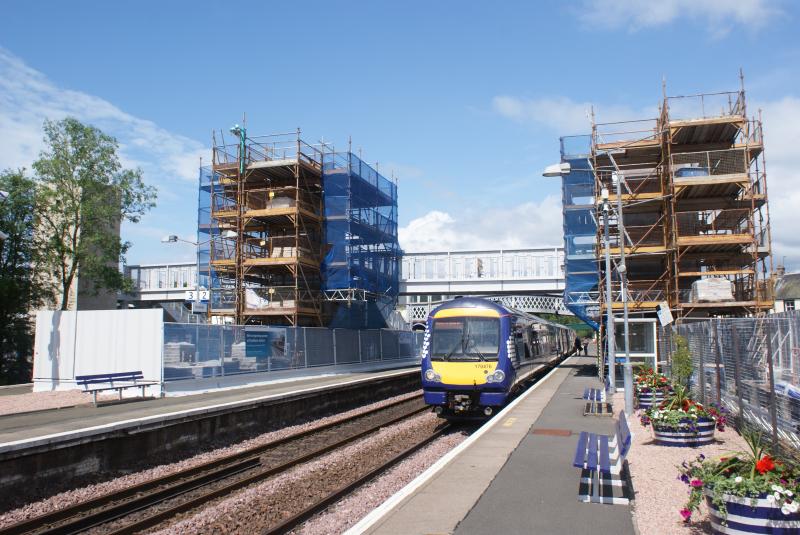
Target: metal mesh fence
{"x":751,"y":366}
{"x":200,"y":350}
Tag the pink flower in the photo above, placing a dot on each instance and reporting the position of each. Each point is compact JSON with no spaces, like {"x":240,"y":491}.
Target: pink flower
{"x":686,"y":514}
{"x":696,"y":483}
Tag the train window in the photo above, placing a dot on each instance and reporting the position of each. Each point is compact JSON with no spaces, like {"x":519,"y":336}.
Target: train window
{"x":465,"y":339}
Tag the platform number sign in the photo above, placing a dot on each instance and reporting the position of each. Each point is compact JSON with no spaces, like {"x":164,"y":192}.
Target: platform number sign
{"x":196,"y":295}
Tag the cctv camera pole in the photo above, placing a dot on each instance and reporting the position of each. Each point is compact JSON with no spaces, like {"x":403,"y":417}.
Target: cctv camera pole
{"x":627,"y":373}
{"x":609,"y":313}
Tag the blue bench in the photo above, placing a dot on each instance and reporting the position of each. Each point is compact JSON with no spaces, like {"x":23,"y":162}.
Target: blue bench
{"x":112,"y":381}
{"x":596,"y":402}
{"x":601,"y":459}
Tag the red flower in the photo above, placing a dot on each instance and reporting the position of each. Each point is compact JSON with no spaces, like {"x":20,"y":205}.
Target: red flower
{"x":765,"y":464}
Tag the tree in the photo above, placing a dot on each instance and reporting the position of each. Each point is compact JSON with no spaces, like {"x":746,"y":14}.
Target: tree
{"x":581,"y":328}
{"x":83,"y":195}
{"x":681,"y":368}
{"x":19,"y":291}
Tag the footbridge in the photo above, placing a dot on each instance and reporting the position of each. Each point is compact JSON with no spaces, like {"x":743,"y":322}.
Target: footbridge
{"x":531,"y":280}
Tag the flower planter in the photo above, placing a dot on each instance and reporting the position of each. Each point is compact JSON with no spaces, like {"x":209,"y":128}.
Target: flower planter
{"x":686,"y":435}
{"x":650,"y":399}
{"x":742,"y":517}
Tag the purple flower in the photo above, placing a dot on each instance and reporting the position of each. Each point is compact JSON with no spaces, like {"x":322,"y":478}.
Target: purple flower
{"x":686,"y":514}
{"x":684,"y":478}
{"x":701,"y":457}
{"x":696,"y":483}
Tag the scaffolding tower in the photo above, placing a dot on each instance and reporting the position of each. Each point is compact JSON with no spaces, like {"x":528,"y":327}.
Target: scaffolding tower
{"x":694,"y":207}
{"x":266,"y":207}
{"x":296,"y":234}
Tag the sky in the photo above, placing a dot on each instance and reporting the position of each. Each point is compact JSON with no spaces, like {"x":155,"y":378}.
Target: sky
{"x":462,"y":101}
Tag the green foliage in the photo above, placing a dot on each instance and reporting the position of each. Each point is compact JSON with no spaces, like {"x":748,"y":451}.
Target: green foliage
{"x":750,"y":474}
{"x":581,"y":328}
{"x":681,"y":367}
{"x":19,"y":291}
{"x":83,"y":195}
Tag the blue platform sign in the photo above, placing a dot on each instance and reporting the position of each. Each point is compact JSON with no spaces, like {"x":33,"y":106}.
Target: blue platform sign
{"x":262,"y":344}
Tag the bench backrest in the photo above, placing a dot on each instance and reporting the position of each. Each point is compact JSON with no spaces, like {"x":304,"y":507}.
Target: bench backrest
{"x":84,"y":380}
{"x":623,"y":434}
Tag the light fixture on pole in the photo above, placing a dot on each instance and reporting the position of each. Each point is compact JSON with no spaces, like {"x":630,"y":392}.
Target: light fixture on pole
{"x":172,"y":238}
{"x":562,"y":169}
{"x":627,"y":371}
{"x":610,"y":345}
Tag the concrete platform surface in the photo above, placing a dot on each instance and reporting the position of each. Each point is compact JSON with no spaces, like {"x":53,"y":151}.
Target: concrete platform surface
{"x":26,"y":429}
{"x":509,"y":480}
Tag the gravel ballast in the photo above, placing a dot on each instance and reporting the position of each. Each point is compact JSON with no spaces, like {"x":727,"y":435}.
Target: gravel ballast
{"x":64,"y":499}
{"x":346,"y":513}
{"x":266,"y":504}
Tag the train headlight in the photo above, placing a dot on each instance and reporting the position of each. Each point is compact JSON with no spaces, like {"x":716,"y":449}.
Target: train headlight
{"x":497,"y":376}
{"x":432,"y":376}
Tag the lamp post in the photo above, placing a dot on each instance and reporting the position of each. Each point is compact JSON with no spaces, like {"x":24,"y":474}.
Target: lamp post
{"x":627,"y":372}
{"x":612,"y":356}
{"x":172,"y":238}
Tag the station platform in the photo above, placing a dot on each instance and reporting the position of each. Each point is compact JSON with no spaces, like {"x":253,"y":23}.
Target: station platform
{"x":514,"y":475}
{"x":48,"y":427}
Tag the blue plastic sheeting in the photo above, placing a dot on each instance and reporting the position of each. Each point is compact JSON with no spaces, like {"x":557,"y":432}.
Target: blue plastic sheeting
{"x":580,"y":230}
{"x":360,"y":227}
{"x":206,"y":228}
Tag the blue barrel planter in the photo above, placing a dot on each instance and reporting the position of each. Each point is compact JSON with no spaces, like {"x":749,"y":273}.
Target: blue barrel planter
{"x":650,"y":399}
{"x":752,"y":516}
{"x":686,"y":435}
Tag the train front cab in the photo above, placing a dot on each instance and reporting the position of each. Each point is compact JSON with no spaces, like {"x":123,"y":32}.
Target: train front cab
{"x":466,"y":369}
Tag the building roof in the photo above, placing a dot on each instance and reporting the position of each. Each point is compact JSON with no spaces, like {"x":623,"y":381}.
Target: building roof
{"x":788,"y":287}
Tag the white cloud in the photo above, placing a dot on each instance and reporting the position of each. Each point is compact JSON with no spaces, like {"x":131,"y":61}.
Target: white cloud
{"x":28,"y":97}
{"x":169,"y":161}
{"x":562,"y":114}
{"x":781,"y":139}
{"x":718,"y":15}
{"x":529,"y":224}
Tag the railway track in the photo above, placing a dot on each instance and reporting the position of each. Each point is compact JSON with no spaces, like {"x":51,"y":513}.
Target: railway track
{"x":298,"y":518}
{"x":153,"y":502}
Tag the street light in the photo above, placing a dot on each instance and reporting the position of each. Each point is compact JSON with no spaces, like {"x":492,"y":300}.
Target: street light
{"x":627,"y":371}
{"x":172,"y":238}
{"x":557,"y":169}
{"x":610,"y":341}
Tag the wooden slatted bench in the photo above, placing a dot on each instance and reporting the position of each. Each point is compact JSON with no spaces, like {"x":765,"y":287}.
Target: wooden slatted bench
{"x":601,"y":459}
{"x":113,"y":381}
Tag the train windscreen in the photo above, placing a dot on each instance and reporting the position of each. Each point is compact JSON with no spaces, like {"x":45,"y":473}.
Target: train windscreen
{"x":465,"y":339}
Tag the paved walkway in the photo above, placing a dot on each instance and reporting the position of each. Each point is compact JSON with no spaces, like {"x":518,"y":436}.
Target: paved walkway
{"x":31,"y":425}
{"x":536,"y":491}
{"x":511,"y":481}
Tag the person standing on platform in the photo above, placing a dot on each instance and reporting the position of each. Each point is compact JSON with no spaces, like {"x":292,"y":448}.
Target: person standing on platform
{"x":577,"y":347}
{"x":586,"y":347}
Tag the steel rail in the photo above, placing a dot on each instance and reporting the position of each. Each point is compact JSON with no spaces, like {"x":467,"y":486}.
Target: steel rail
{"x":229,"y":464}
{"x":198,"y":501}
{"x":343,"y":491}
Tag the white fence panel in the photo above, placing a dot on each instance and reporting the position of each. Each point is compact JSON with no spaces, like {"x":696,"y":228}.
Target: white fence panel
{"x":95,"y":342}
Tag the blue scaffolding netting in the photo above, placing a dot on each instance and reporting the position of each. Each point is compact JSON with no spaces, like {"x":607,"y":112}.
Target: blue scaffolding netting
{"x":207,"y":228}
{"x":360,"y":228}
{"x":580,"y":230}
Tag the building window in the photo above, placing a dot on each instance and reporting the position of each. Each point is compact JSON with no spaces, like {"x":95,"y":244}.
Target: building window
{"x":788,"y":304}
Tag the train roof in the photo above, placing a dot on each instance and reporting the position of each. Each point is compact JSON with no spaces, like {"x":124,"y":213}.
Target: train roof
{"x":486,"y":304}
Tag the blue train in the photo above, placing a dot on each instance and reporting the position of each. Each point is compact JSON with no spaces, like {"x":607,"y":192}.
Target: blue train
{"x":476,"y":353}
